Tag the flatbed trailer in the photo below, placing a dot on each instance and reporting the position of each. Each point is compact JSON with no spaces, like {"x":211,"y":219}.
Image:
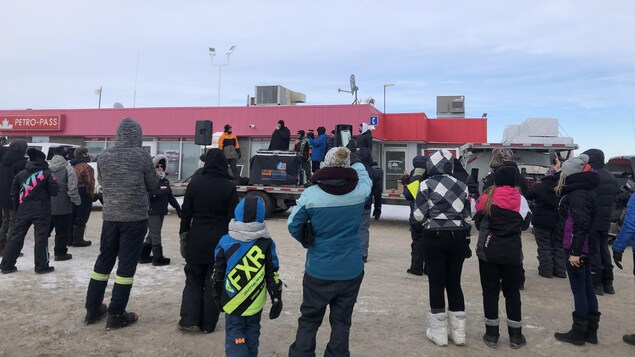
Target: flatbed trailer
{"x":281,"y":198}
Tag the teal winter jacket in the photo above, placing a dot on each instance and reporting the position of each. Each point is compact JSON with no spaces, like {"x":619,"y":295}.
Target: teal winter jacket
{"x":335,"y":253}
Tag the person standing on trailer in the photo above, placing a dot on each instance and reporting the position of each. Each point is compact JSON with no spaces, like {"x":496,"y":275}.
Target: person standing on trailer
{"x":228,"y":143}
{"x":280,"y":138}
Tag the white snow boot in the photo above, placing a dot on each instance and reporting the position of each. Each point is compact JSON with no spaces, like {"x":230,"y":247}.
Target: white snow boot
{"x":457,"y":321}
{"x":438,"y":330}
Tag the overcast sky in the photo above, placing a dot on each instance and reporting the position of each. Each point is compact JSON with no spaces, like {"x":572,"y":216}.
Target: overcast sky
{"x":566,"y":59}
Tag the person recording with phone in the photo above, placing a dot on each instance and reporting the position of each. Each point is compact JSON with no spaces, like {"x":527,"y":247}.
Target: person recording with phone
{"x":577,"y":216}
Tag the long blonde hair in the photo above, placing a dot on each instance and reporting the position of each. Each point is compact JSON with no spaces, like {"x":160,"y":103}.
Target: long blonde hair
{"x":561,"y":184}
{"x":488,"y":204}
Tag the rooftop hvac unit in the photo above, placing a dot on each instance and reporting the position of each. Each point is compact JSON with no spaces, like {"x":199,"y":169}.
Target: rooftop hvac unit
{"x":267,"y":95}
{"x":457,"y":106}
{"x":277,"y":95}
{"x":450,"y":104}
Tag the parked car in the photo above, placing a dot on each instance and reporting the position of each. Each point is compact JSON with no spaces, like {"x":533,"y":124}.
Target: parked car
{"x":623,"y":168}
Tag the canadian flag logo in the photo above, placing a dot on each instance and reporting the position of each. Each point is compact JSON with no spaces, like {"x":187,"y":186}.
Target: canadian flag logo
{"x":5,"y":124}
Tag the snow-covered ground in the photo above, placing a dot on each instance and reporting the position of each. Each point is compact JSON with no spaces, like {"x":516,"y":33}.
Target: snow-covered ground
{"x":42,"y":315}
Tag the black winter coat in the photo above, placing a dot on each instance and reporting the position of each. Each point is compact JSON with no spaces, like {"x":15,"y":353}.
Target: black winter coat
{"x":12,"y":163}
{"x":545,"y":212}
{"x":208,"y":206}
{"x":375,"y":176}
{"x":365,"y":140}
{"x":606,"y":190}
{"x":160,"y":197}
{"x":577,"y":213}
{"x":280,"y":139}
{"x":34,"y":186}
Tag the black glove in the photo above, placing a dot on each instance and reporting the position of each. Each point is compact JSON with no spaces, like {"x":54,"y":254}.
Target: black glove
{"x":617,"y":258}
{"x":238,"y":152}
{"x":276,"y":300}
{"x":183,"y":243}
{"x":405,"y":179}
{"x":216,"y":294}
{"x":468,"y":251}
{"x":377,"y":213}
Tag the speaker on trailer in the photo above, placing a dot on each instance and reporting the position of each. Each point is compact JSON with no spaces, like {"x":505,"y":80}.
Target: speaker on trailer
{"x":203,"y":132}
{"x":343,"y":134}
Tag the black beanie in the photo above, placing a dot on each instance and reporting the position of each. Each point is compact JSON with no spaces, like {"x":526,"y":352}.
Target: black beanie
{"x":505,"y":176}
{"x":227,"y":127}
{"x":35,"y":154}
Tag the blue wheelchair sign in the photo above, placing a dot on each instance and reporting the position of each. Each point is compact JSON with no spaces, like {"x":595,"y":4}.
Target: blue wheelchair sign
{"x":374,"y":120}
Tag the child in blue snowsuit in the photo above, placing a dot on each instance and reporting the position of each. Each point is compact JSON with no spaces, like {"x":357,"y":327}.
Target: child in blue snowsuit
{"x":246,"y":267}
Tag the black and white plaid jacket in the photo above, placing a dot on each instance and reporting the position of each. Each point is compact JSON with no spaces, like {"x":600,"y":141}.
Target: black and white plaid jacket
{"x":443,"y":201}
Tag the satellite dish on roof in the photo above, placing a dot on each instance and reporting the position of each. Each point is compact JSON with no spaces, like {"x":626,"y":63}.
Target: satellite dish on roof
{"x":353,"y":90}
{"x":353,"y":86}
{"x":117,"y":105}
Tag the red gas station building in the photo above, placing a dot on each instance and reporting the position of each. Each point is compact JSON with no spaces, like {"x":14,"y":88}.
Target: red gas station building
{"x":170,"y":131}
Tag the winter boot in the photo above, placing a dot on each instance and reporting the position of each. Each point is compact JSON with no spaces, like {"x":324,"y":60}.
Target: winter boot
{"x":145,"y":254}
{"x":516,"y":337}
{"x":491,"y":333}
{"x":592,"y":333}
{"x":578,"y":331}
{"x":116,"y":321}
{"x":456,"y":322}
{"x":438,"y":330}
{"x":62,"y":257}
{"x":45,"y":270}
{"x":158,"y":259}
{"x":596,"y":277}
{"x":78,"y":237}
{"x":630,"y":339}
{"x":607,"y":282}
{"x":93,"y":316}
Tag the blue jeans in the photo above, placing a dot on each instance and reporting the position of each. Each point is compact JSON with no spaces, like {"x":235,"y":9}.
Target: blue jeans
{"x":364,"y":233}
{"x":581,"y":283}
{"x":242,"y":335}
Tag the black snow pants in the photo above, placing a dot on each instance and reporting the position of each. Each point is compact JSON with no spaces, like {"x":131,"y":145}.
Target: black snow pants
{"x":38,"y":214}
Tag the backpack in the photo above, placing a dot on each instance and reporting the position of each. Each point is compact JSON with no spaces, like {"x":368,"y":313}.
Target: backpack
{"x":302,"y":150}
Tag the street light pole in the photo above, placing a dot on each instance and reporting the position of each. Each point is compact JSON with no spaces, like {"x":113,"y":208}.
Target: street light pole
{"x":98,"y":92}
{"x":212,"y":54}
{"x":386,"y":85}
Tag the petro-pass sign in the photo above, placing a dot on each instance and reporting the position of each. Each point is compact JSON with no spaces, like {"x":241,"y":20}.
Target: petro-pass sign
{"x":31,"y":122}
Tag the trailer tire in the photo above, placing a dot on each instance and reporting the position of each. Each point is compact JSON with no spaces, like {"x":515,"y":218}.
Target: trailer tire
{"x":269,"y":203}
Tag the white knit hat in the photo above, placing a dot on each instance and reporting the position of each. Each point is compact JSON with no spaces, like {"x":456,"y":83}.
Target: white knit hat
{"x":337,"y":157}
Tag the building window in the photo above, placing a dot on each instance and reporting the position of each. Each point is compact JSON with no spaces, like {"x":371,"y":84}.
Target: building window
{"x":172,"y":150}
{"x":190,"y":159}
{"x":95,"y":148}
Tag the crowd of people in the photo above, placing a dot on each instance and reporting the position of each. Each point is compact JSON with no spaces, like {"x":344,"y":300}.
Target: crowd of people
{"x":231,"y":262}
{"x":572,"y":207}
{"x":51,"y":197}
